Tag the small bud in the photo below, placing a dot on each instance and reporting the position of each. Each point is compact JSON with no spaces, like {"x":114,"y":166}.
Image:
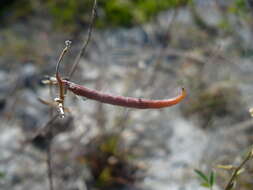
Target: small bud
{"x":60,"y":107}
{"x":46,"y":81}
{"x":68,"y":43}
{"x":61,"y":110}
{"x":57,"y":100}
{"x":240,"y":171}
{"x":49,"y":81}
{"x":251,"y":112}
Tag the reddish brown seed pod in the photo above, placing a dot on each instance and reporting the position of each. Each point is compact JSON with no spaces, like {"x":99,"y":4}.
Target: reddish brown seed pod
{"x":121,"y":100}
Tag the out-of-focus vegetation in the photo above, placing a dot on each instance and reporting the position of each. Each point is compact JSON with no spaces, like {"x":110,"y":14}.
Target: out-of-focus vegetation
{"x":207,"y":180}
{"x":239,"y":7}
{"x":73,"y":13}
{"x":110,"y":164}
{"x":217,"y":101}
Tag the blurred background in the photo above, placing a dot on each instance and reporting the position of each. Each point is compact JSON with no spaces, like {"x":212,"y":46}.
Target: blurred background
{"x":138,"y":48}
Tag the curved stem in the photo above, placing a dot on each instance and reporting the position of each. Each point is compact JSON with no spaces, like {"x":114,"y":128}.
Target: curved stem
{"x":60,"y":100}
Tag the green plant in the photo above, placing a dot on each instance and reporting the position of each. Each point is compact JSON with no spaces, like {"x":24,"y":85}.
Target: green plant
{"x":237,"y":171}
{"x":110,"y":165}
{"x":152,"y":7}
{"x":238,"y":7}
{"x":71,"y":14}
{"x":2,"y":175}
{"x":207,"y":180}
{"x":127,"y":13}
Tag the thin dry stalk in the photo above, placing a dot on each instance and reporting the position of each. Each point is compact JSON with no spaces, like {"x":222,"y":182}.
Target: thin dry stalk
{"x":237,"y":170}
{"x":121,"y":122}
{"x":49,"y":167}
{"x":49,"y":153}
{"x":60,"y":99}
{"x":64,"y":51}
{"x":84,"y":47}
{"x":161,"y":53}
{"x":60,"y":105}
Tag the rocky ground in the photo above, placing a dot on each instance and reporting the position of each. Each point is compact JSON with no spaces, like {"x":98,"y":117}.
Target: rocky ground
{"x":210,"y":127}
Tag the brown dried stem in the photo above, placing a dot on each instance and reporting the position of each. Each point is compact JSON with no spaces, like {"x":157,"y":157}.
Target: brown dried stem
{"x":60,"y":99}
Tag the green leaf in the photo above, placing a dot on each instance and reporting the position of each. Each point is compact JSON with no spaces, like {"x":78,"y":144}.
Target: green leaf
{"x":212,"y":179}
{"x":205,"y":184}
{"x":202,"y":175}
{"x":2,"y":175}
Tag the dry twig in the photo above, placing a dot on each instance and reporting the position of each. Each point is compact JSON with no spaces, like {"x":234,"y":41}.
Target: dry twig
{"x":85,"y":45}
{"x":231,"y":182}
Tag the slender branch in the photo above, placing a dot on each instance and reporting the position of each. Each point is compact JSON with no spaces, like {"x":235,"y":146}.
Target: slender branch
{"x":64,"y":51}
{"x":43,"y":131}
{"x":49,"y":153}
{"x":84,"y":47}
{"x":60,"y":102}
{"x":230,"y":183}
{"x":49,"y":167}
{"x":162,"y":52}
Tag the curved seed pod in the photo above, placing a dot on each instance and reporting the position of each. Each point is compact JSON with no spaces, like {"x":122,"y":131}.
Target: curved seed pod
{"x":121,"y":100}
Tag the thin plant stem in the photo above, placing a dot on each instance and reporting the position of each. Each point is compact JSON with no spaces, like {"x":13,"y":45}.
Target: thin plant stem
{"x":44,"y":130}
{"x":161,"y":53}
{"x":84,"y":47}
{"x":49,"y":153}
{"x":60,"y":104}
{"x":60,"y":99}
{"x":64,"y":51}
{"x":49,"y":166}
{"x":51,"y":96}
{"x":235,"y":173}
